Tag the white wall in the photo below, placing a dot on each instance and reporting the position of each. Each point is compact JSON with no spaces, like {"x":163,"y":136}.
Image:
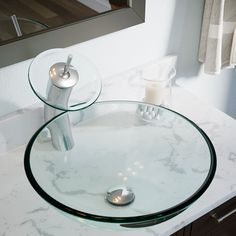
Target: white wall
{"x":172,"y":26}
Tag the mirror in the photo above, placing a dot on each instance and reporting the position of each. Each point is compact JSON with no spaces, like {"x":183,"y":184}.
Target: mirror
{"x":32,"y":26}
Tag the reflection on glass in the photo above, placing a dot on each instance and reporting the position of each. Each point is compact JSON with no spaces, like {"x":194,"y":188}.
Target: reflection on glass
{"x":8,"y":31}
{"x":167,"y":162}
{"x":38,"y":15}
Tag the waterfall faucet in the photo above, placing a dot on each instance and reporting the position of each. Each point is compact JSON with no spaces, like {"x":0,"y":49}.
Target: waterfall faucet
{"x":62,"y":78}
{"x":53,"y":76}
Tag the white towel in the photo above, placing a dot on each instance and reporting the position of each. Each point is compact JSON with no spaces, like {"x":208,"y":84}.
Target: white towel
{"x":218,"y":38}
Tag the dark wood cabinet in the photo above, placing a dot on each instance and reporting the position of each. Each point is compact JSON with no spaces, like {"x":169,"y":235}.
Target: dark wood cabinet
{"x":219,"y":222}
{"x":183,"y":232}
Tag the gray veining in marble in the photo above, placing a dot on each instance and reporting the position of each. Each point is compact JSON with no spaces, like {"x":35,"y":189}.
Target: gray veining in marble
{"x":24,"y":213}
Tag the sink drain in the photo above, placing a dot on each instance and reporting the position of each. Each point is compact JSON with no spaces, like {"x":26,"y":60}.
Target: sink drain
{"x":120,"y":196}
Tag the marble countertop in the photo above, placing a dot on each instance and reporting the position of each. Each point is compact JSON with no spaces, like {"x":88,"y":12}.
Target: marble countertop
{"x":23,"y":212}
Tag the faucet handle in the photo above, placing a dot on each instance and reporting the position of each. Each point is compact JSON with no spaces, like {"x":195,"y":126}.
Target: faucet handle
{"x":67,"y":65}
{"x":64,"y":75}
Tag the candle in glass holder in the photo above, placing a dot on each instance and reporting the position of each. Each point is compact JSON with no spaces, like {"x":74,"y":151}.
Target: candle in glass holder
{"x":158,"y":79}
{"x":155,"y":92}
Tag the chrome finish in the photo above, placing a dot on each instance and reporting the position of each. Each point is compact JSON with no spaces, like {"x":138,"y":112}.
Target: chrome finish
{"x":67,"y":66}
{"x":120,"y":196}
{"x":62,"y":78}
{"x":60,"y":131}
{"x":224,"y":217}
{"x":16,"y":25}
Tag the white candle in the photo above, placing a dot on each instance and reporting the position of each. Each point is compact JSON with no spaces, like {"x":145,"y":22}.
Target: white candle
{"x":157,"y":77}
{"x":155,"y":92}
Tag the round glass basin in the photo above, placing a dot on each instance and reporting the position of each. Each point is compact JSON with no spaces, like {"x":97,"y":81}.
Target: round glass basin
{"x":84,"y":92}
{"x":163,"y":158}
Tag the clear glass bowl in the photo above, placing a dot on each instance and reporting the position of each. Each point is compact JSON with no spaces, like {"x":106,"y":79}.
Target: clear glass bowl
{"x":164,"y":158}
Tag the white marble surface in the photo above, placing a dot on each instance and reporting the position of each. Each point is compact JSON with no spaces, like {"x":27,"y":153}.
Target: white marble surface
{"x":23,"y":212}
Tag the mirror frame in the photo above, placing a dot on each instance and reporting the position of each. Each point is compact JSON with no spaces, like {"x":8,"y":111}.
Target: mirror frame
{"x":108,"y":22}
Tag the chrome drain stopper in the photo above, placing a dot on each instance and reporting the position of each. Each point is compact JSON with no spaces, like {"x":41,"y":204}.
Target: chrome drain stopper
{"x":120,"y":196}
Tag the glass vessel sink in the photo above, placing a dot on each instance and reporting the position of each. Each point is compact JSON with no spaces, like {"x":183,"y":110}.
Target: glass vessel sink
{"x":133,"y":164}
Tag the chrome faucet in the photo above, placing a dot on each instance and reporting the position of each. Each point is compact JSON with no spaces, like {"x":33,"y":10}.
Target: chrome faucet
{"x":62,"y":78}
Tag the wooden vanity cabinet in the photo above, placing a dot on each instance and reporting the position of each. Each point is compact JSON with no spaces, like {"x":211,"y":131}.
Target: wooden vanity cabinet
{"x":219,"y":222}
